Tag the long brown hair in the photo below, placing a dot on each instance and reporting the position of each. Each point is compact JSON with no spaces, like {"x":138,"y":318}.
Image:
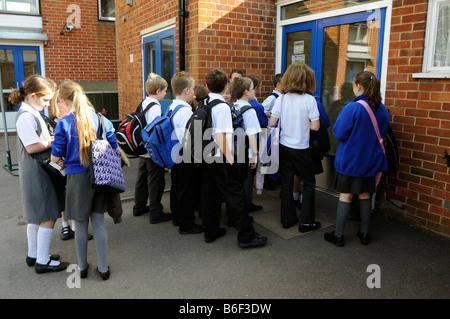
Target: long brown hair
{"x":72,"y":91}
{"x":371,"y":86}
{"x":33,"y":84}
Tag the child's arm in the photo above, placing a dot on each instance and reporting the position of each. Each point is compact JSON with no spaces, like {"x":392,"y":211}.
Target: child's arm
{"x":38,"y":147}
{"x":221,"y":139}
{"x":314,"y":125}
{"x":254,"y":150}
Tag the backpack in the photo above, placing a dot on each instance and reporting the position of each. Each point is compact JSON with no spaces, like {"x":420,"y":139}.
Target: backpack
{"x":128,"y":133}
{"x":194,"y":140}
{"x":391,"y":151}
{"x":319,"y":141}
{"x":237,"y":117}
{"x":159,"y":140}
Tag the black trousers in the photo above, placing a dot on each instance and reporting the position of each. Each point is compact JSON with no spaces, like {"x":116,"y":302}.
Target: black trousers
{"x":299,"y":162}
{"x":183,"y":193}
{"x":220,"y":179}
{"x":150,"y":185}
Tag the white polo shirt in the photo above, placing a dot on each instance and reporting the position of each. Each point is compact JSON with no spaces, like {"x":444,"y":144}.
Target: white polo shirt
{"x":297,"y":111}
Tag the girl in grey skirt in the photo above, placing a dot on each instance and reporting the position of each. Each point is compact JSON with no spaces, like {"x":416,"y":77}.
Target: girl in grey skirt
{"x":33,"y":145}
{"x":73,"y":135}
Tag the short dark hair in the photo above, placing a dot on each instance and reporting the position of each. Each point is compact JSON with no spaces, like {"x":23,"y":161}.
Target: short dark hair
{"x":216,"y":80}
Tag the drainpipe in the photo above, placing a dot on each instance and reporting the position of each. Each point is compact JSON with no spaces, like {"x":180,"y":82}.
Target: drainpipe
{"x":183,"y":14}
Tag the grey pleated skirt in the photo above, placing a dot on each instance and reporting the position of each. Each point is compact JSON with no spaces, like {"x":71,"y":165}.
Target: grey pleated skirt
{"x":354,"y":185}
{"x":82,"y":199}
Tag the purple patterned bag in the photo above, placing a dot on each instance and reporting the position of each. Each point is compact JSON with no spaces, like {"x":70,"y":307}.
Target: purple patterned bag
{"x":105,"y":164}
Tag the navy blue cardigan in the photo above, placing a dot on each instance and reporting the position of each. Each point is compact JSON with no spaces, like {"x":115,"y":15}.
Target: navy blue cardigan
{"x":359,"y":153}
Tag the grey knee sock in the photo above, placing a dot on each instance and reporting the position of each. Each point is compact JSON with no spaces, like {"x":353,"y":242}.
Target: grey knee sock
{"x":101,"y":240}
{"x":81,"y":242}
{"x":365,"y":207}
{"x":343,"y":209}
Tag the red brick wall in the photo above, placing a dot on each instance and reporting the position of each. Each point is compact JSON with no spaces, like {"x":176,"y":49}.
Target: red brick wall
{"x":87,"y":53}
{"x":226,"y":34}
{"x":420,"y":117}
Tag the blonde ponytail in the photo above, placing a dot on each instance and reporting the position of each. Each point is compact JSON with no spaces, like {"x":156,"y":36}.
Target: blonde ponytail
{"x":72,"y":91}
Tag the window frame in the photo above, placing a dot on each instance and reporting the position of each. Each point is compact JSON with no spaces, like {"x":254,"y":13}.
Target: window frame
{"x":4,"y":11}
{"x":428,"y":70}
{"x":100,"y":17}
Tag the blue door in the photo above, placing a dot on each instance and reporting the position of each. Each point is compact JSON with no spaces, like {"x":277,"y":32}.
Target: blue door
{"x":159,"y":57}
{"x":16,"y":64}
{"x":336,"y":48}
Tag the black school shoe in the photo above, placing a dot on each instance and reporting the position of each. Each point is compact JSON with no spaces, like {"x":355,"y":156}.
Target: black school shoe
{"x":303,"y":228}
{"x":364,"y":237}
{"x":332,"y":238}
{"x":161,"y":218}
{"x":196,"y":229}
{"x":32,"y":261}
{"x":256,"y":241}
{"x":41,"y":269}
{"x":212,"y":237}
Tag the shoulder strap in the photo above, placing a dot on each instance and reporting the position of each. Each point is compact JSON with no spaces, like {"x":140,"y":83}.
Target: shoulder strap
{"x":374,"y":122}
{"x":148,"y":106}
{"x":246,"y":108}
{"x":101,"y":127}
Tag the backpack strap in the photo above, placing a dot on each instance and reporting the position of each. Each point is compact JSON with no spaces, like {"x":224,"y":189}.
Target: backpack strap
{"x":245,"y":108}
{"x":377,"y":131}
{"x":148,"y":106}
{"x":101,"y":127}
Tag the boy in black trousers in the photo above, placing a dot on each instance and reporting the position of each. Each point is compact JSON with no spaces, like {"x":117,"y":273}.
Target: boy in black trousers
{"x":222,"y":176}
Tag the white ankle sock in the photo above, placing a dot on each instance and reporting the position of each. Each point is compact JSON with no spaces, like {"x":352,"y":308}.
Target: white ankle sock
{"x":65,"y":223}
{"x":296,"y":195}
{"x":32,"y":232}
{"x":44,"y":239}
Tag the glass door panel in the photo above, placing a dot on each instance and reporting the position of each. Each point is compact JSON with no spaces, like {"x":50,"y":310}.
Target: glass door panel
{"x":8,"y":76}
{"x":168,"y":63}
{"x":30,"y":62}
{"x":347,"y":50}
{"x":298,"y":47}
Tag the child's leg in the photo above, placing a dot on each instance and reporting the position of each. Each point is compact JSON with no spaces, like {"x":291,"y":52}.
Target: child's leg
{"x":101,"y":240}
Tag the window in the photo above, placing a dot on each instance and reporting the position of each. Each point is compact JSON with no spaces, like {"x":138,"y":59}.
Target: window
{"x":106,"y":10}
{"x":20,"y":6}
{"x":436,"y":60}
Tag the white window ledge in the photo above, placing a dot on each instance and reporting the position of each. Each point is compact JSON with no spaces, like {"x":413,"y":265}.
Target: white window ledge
{"x":431,"y":75}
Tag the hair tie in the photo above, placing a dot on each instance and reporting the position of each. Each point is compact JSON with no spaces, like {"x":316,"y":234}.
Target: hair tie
{"x":22,"y":91}
{"x":371,"y":77}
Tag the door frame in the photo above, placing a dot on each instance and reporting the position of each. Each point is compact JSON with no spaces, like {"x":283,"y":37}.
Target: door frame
{"x":372,"y":8}
{"x":317,"y":37}
{"x":19,"y":79}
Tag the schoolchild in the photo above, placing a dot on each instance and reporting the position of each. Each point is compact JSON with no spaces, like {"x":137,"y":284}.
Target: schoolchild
{"x":200,"y":93}
{"x":263,"y":122}
{"x":236,"y":73}
{"x":271,"y":180}
{"x":298,"y":113}
{"x":269,"y":102}
{"x":183,"y":192}
{"x":226,"y":94}
{"x":40,"y":200}
{"x":73,"y":135}
{"x":150,"y":181}
{"x":220,"y":177}
{"x":59,"y":110}
{"x":359,"y":156}
{"x":242,"y":92}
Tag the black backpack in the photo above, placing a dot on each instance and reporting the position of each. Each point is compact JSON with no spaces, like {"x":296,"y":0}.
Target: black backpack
{"x":194,"y":140}
{"x":319,"y":141}
{"x":128,"y":133}
{"x":391,"y":151}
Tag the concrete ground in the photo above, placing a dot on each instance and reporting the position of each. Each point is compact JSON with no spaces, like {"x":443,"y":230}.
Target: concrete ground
{"x":154,"y":261}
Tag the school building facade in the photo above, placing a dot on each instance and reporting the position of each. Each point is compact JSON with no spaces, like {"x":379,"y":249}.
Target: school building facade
{"x":406,"y":43}
{"x":62,"y":40}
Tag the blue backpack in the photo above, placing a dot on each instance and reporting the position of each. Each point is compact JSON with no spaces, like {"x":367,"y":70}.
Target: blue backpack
{"x":159,"y":139}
